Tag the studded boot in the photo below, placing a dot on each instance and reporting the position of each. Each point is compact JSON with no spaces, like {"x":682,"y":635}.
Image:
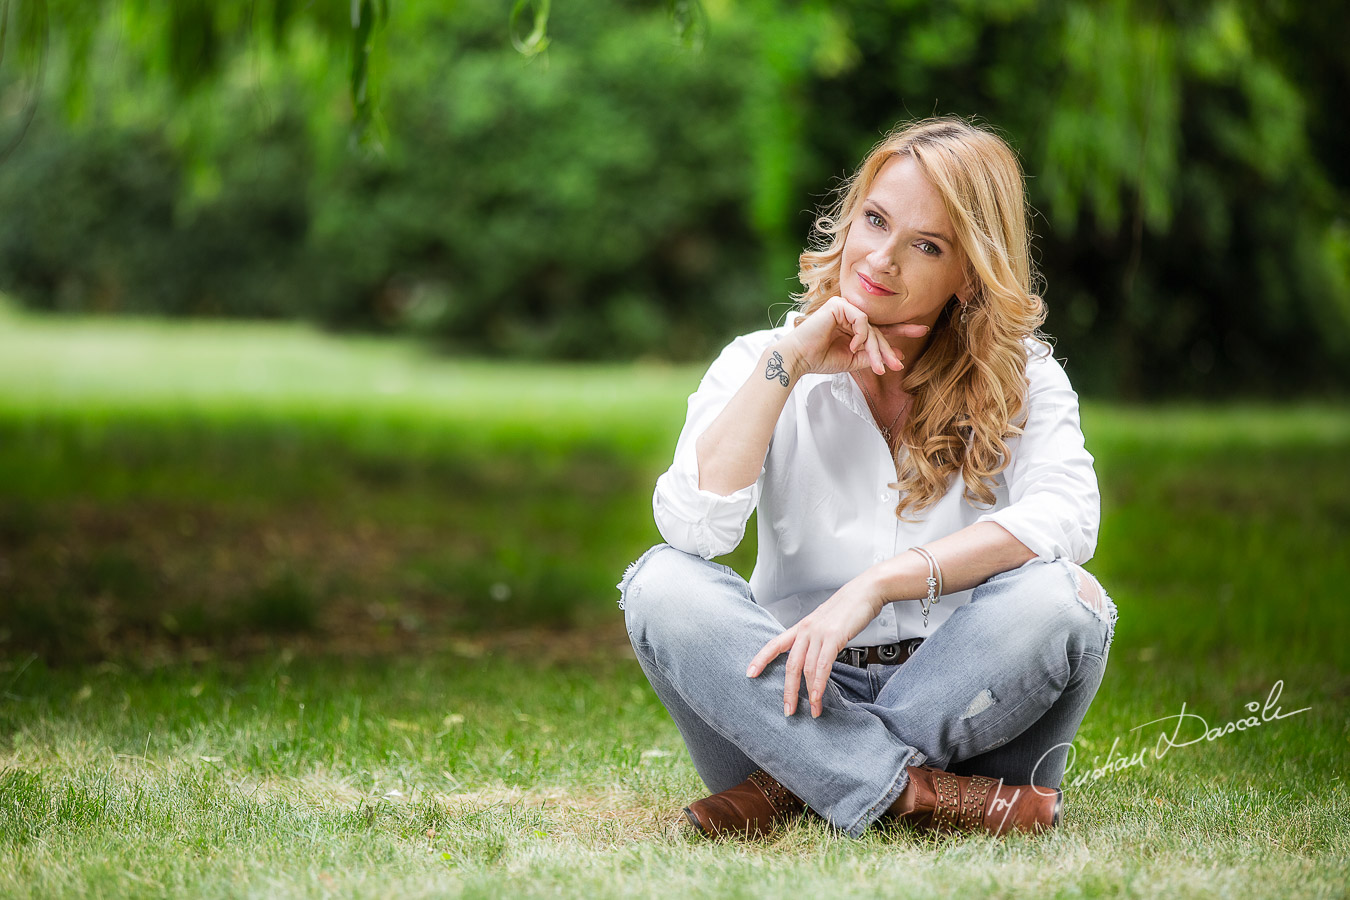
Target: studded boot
{"x":754,"y":808}
{"x":940,"y":801}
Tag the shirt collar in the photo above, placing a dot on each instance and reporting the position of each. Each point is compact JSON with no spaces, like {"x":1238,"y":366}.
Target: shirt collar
{"x":846,"y":391}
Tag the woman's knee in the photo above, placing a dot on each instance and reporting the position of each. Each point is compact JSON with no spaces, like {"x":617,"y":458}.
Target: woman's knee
{"x":1090,"y":593}
{"x":1058,"y":597}
{"x":666,"y":587}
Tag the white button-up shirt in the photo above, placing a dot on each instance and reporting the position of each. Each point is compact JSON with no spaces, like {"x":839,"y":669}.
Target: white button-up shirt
{"x":826,"y":508}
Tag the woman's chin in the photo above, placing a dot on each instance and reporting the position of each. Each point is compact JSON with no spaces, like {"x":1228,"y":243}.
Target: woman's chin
{"x":879,"y":311}
{"x":873,"y":306}
{"x":883,"y":311}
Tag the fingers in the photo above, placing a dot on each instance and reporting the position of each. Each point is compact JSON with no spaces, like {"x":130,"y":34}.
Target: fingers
{"x":809,"y":657}
{"x":857,"y":321}
{"x":817,"y":668}
{"x":874,"y":356}
{"x":795,"y":662}
{"x":815,"y":688}
{"x":868,"y":345}
{"x":769,"y":652}
{"x":818,"y":676}
{"x":869,"y":342}
{"x":902,"y":329}
{"x":792,"y":681}
{"x":893,"y":360}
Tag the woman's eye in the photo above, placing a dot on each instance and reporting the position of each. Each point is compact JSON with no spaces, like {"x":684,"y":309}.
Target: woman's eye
{"x":930,"y":248}
{"x":873,"y":219}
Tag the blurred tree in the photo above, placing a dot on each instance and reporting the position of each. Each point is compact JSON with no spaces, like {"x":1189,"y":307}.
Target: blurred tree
{"x":560,"y":204}
{"x":1193,"y":200}
{"x":611,"y":188}
{"x":188,"y":41}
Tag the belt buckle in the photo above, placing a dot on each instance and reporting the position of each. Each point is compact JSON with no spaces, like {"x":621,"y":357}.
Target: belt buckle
{"x":853,"y":656}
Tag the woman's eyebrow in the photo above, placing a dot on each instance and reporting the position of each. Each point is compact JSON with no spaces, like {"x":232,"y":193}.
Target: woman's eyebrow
{"x":932,"y":234}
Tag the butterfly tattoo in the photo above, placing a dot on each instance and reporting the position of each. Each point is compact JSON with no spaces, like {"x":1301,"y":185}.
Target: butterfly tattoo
{"x":775,"y":370}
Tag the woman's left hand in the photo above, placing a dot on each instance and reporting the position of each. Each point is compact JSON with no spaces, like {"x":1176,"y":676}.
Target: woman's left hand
{"x":813,"y":643}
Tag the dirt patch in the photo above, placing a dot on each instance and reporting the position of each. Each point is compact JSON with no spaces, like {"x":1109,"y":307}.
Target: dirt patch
{"x":161,"y":581}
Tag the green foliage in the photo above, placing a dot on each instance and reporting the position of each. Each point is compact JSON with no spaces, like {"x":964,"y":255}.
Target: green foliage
{"x":99,"y":221}
{"x":188,"y":42}
{"x":560,"y":207}
{"x":1185,"y":212}
{"x":634,"y":179}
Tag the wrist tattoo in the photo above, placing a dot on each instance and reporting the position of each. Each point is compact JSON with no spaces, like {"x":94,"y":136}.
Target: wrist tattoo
{"x":775,"y":370}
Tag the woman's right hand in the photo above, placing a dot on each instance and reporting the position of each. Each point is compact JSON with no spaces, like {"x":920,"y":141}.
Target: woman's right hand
{"x":839,"y":338}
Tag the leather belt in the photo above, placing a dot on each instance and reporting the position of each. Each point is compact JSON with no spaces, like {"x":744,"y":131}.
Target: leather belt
{"x":880,"y":655}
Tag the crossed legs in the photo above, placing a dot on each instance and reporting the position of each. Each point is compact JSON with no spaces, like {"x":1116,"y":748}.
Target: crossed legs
{"x":993,"y":690}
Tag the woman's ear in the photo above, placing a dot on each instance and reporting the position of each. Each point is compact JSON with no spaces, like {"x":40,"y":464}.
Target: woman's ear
{"x":966,"y":292}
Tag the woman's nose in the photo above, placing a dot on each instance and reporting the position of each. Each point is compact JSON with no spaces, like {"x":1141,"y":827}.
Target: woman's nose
{"x":883,"y":259}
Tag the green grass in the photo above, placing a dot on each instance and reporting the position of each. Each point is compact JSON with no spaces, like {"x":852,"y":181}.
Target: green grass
{"x":175,"y":480}
{"x":289,"y":614}
{"x":488,"y":776}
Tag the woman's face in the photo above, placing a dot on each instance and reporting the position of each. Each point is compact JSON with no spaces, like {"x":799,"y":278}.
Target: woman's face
{"x":900,"y":262}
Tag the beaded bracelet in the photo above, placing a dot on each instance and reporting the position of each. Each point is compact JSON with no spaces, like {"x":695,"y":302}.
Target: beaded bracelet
{"x":934,"y":582}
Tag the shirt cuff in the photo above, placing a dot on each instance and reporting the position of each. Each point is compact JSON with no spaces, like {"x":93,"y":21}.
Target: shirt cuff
{"x":702,"y":522}
{"x":1049,"y":536}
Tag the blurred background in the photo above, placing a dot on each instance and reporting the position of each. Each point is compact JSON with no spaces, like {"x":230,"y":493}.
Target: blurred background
{"x":374,"y":321}
{"x":342,"y":342}
{"x":634,"y":178}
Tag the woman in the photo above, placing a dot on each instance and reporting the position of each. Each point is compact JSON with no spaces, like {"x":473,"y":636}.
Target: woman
{"x":925,"y":502}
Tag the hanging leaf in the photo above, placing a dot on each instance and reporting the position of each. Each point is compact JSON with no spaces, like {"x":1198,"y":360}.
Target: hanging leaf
{"x":536,"y":41}
{"x":31,"y":37}
{"x":690,"y":21}
{"x":4,"y":27}
{"x":194,"y":43}
{"x":282,"y":11}
{"x":366,"y":16}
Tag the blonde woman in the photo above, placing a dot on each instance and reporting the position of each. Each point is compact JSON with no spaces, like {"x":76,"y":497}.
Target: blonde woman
{"x":918,"y":641}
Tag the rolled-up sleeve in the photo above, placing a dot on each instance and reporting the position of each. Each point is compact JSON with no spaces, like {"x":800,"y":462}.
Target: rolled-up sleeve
{"x":698,"y":521}
{"x":1054,"y":505}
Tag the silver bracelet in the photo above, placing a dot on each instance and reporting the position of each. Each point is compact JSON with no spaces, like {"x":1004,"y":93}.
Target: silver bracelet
{"x":934,"y":582}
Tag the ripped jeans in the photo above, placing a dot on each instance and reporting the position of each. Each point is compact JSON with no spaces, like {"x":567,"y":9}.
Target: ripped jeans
{"x":999,"y":689}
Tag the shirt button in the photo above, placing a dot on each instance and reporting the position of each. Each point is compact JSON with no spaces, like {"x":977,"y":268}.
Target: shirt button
{"x":883,"y":497}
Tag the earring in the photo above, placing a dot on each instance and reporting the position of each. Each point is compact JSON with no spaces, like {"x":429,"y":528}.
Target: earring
{"x":965,"y":310}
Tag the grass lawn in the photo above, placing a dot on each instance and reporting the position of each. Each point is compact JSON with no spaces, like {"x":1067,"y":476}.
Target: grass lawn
{"x":283,"y":614}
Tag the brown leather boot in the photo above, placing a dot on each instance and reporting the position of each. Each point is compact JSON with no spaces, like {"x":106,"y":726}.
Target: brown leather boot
{"x":941,"y":801}
{"x":754,"y":808}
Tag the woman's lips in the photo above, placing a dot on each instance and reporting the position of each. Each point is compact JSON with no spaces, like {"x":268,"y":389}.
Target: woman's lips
{"x":873,"y":288}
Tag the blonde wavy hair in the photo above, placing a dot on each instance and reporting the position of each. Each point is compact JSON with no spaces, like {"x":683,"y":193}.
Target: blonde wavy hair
{"x":970,"y":385}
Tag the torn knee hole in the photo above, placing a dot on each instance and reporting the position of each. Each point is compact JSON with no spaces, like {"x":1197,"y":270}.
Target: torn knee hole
{"x":1089,"y":590}
{"x":983,"y":700}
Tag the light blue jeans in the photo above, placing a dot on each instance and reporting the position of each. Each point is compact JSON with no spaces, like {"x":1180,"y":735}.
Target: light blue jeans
{"x":999,"y":689}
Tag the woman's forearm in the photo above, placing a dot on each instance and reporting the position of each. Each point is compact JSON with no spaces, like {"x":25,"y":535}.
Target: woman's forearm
{"x":731,"y":452}
{"x":835,"y":338}
{"x":968,"y":558}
